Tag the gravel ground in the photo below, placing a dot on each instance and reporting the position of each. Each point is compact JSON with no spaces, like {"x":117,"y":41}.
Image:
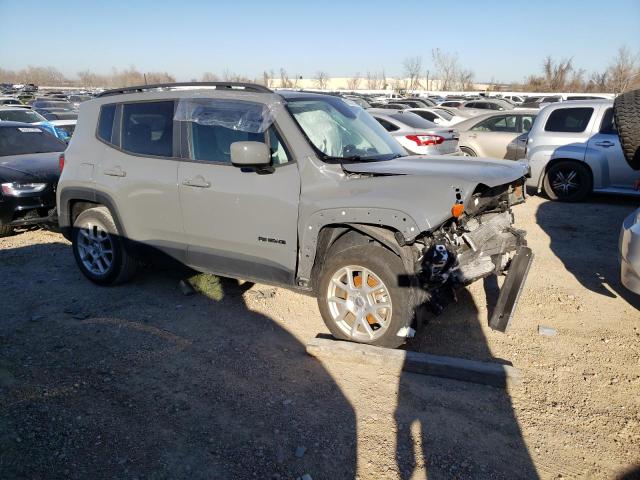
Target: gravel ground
{"x":140,"y":381}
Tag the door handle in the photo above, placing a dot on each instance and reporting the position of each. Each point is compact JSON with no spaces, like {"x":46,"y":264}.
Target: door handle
{"x":473,"y":135}
{"x":606,"y":144}
{"x":115,"y":172}
{"x":197,"y":182}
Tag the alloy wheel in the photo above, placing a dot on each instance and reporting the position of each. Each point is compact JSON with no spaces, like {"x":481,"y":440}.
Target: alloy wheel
{"x":359,"y":303}
{"x":95,"y":249}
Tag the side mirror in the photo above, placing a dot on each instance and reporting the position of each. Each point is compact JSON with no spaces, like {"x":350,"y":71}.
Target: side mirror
{"x":250,"y":154}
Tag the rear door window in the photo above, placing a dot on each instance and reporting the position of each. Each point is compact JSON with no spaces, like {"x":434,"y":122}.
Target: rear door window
{"x":572,"y":120}
{"x":147,"y":128}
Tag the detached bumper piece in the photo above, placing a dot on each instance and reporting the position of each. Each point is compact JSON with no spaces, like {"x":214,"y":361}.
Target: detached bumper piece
{"x":511,"y":289}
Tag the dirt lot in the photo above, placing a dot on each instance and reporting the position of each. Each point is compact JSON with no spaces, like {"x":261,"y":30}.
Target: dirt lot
{"x":140,"y":381}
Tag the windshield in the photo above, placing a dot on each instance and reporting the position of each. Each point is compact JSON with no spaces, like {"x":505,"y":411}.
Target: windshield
{"x":21,"y":140}
{"x":343,"y":132}
{"x":26,"y":116}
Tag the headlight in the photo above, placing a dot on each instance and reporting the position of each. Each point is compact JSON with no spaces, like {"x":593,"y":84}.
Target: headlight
{"x":19,"y":189}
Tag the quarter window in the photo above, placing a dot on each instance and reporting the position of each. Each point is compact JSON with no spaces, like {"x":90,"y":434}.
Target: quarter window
{"x":571,"y":120}
{"x":608,"y":123}
{"x":105,"y":122}
{"x":147,"y":128}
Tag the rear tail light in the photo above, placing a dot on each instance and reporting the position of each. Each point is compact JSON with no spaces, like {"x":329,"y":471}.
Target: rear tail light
{"x":426,"y":140}
{"x":61,"y":162}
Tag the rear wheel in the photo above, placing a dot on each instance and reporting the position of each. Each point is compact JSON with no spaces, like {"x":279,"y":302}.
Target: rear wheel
{"x":567,"y":181}
{"x":360,"y":299}
{"x":99,"y":249}
{"x":467,"y":152}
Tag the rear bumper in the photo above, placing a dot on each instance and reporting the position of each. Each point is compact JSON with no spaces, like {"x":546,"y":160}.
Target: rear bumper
{"x":629,"y":253}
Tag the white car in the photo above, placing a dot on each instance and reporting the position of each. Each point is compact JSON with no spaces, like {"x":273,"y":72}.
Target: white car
{"x":417,"y":135}
{"x":438,"y":116}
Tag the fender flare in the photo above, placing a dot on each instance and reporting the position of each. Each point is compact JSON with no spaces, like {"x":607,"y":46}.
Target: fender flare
{"x":366,"y":220}
{"x":88,"y":195}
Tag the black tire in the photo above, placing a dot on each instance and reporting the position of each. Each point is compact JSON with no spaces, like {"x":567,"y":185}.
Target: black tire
{"x":122,"y":267}
{"x":468,"y":151}
{"x":626,"y":111}
{"x":5,"y":231}
{"x":385,"y":265}
{"x":565,"y":169}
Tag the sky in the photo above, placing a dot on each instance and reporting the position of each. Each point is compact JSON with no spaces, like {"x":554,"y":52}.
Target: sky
{"x":501,"y":41}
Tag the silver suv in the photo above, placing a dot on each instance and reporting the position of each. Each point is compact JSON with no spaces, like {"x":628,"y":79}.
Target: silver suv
{"x":573,"y":149}
{"x":294,"y":189}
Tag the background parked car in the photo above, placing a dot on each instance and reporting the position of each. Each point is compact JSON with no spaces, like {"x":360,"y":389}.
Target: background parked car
{"x":438,"y":116}
{"x":481,"y":106}
{"x":496,"y":135}
{"x":29,"y":173}
{"x":25,"y":115}
{"x":573,"y":149}
{"x":415,"y":134}
{"x":57,"y":113}
{"x":9,"y":101}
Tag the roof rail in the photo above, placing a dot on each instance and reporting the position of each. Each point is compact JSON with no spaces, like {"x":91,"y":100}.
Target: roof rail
{"x":247,"y":87}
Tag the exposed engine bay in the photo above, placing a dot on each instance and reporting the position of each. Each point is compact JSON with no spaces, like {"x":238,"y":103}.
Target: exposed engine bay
{"x":480,"y":242}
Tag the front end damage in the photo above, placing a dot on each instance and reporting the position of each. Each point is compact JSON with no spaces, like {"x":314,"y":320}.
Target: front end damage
{"x":480,"y":242}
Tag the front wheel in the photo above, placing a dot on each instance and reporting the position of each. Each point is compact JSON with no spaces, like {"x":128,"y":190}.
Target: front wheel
{"x":360,"y":299}
{"x":567,"y":181}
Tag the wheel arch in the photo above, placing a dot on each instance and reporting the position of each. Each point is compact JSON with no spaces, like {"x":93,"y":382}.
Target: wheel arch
{"x":554,"y":161}
{"x":74,"y":201}
{"x":352,"y":234}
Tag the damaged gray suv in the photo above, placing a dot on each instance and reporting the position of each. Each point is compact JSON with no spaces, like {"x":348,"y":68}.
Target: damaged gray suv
{"x":294,"y":189}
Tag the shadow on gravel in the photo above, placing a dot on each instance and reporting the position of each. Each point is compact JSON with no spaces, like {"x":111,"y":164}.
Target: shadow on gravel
{"x":140,"y":381}
{"x":584,"y":236}
{"x":460,"y":430}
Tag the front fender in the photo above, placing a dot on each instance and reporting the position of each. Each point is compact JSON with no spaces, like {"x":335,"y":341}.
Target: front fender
{"x":310,"y":230}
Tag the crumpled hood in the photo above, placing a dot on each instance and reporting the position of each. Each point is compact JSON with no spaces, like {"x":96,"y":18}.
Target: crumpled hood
{"x":450,"y":168}
{"x":30,"y":167}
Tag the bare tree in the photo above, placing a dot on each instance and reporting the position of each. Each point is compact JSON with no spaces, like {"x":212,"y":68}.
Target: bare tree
{"x":321,"y":79}
{"x":465,"y":80}
{"x":160,"y":77}
{"x":373,"y":81}
{"x":556,"y":74}
{"x":622,"y":70}
{"x":268,"y":78}
{"x":209,"y":77}
{"x":285,"y":81}
{"x":412,"y":70}
{"x":447,"y":67}
{"x":353,"y":83}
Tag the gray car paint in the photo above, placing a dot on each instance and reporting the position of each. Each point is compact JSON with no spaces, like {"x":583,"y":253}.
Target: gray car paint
{"x":410,"y":194}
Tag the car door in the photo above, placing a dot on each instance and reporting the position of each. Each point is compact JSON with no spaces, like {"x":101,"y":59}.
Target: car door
{"x":606,"y":142}
{"x":239,"y":222}
{"x":138,"y":171}
{"x":492,"y":135}
{"x":516,"y":147}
